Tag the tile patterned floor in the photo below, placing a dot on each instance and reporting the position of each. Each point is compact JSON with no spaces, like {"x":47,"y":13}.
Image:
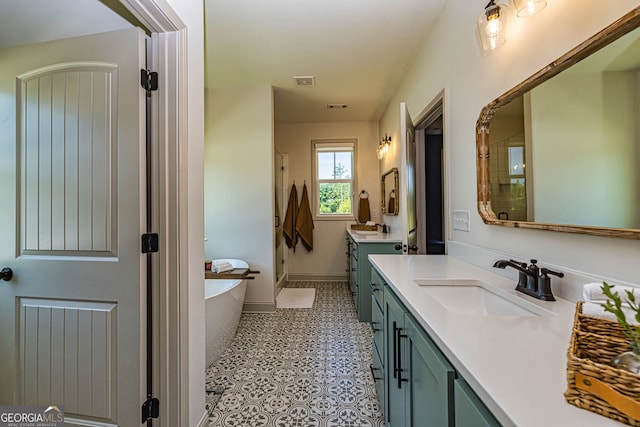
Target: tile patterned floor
{"x":299,"y":367}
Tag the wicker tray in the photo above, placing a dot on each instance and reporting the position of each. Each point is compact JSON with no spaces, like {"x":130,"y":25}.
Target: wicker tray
{"x":591,"y":383}
{"x":364,"y":227}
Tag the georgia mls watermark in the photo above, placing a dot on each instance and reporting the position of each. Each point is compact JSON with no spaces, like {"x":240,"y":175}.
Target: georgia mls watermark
{"x":31,"y":416}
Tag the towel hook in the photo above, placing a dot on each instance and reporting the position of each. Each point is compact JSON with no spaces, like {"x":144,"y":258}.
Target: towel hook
{"x":364,"y":192}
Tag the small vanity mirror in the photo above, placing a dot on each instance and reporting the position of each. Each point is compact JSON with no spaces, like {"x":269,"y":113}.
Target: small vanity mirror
{"x":389,"y":185}
{"x":561,"y":151}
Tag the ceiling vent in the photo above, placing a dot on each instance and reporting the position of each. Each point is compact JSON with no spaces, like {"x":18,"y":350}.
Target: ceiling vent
{"x":305,"y":80}
{"x":337,"y":106}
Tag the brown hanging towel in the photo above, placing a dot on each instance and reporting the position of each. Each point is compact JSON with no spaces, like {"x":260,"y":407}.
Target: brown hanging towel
{"x":391,"y":208}
{"x":304,"y":221}
{"x":289,"y":225}
{"x":364,"y":214}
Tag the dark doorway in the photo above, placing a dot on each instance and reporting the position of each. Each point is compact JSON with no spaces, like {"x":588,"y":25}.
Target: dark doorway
{"x":433,"y":161}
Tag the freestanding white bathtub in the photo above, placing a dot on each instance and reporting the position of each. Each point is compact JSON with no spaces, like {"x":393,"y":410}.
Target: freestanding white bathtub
{"x":223,"y":305}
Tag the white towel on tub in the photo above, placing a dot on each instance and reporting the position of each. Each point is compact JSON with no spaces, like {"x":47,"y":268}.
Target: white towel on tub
{"x":222,"y":267}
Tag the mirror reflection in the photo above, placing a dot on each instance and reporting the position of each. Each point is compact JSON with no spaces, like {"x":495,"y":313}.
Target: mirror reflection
{"x":389,"y":186}
{"x":565,"y":149}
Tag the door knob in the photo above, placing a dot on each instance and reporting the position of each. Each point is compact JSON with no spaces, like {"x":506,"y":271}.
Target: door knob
{"x":6,"y":274}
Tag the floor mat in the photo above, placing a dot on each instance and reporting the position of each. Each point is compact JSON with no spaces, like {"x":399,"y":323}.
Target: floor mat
{"x":296,"y":298}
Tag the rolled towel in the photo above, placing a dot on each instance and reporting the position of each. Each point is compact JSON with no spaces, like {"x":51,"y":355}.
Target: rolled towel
{"x":594,"y":309}
{"x":222,"y":267}
{"x":592,"y":292}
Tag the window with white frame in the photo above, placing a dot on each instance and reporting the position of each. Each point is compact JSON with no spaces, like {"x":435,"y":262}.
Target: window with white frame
{"x":334,"y":178}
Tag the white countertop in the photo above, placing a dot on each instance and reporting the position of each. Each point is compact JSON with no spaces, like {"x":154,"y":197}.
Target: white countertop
{"x":516,"y":365}
{"x":366,"y":237}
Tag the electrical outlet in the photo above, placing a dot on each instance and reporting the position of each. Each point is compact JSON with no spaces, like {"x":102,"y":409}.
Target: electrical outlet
{"x":461,"y":220}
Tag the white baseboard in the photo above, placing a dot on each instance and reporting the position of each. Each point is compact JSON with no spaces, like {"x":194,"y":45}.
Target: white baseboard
{"x":317,"y":278}
{"x":259,"y":307}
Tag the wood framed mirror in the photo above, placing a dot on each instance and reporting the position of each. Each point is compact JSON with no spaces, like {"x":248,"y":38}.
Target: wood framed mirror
{"x":389,"y":187}
{"x":561,"y":150}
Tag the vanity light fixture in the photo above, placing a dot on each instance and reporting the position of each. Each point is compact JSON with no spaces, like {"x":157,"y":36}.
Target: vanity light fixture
{"x":526,"y":8}
{"x":491,"y":26}
{"x":383,"y":147}
{"x":493,"y":19}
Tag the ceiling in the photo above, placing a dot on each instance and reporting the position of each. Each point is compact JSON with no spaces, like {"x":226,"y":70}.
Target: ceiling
{"x":33,"y":21}
{"x":358,"y":50}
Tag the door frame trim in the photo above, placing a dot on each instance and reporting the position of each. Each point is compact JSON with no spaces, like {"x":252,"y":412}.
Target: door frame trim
{"x":421,"y":122}
{"x":171,"y":301}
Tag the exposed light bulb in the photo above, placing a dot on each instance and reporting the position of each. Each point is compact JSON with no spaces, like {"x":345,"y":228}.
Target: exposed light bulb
{"x":526,"y":8}
{"x":491,"y":27}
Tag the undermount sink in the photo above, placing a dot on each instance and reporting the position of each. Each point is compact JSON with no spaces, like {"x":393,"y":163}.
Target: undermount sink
{"x":365,"y":232}
{"x":475,"y":297}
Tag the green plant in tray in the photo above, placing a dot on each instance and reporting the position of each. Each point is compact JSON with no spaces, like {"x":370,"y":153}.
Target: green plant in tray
{"x":615,"y":305}
{"x":630,"y":360}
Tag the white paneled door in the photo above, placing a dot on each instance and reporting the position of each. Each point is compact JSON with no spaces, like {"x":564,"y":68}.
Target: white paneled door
{"x":72,"y":188}
{"x":408,"y":140}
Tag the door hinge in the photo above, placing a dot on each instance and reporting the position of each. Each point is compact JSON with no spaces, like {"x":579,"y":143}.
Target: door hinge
{"x":150,"y":409}
{"x":150,"y":243}
{"x":148,"y":80}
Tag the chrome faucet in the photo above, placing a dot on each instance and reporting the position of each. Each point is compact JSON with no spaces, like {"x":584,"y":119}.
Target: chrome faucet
{"x":532,"y":280}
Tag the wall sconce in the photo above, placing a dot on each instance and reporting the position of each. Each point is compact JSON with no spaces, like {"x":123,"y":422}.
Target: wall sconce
{"x":491,"y":26}
{"x":383,"y":147}
{"x":492,"y":21}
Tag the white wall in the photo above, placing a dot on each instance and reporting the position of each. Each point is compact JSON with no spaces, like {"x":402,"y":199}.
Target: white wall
{"x":451,"y":60}
{"x":328,"y":257}
{"x":239,"y":184}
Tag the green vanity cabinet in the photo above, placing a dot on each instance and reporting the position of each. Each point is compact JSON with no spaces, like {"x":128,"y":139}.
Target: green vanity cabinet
{"x":419,"y":389}
{"x":469,"y":410}
{"x":394,"y":406}
{"x":430,"y":379}
{"x":377,"y":331}
{"x":359,"y":269}
{"x":419,"y":385}
{"x":352,"y":268}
